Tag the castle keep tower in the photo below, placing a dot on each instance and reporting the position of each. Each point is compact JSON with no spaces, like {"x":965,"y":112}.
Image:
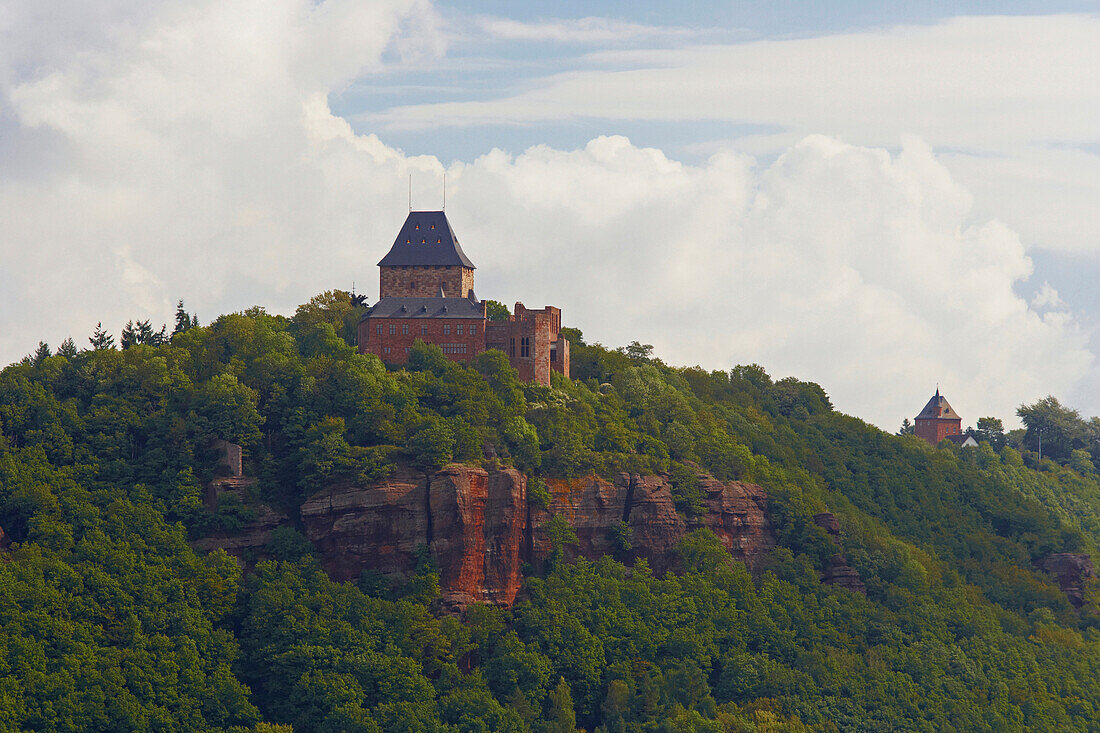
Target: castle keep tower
{"x":426,"y":260}
{"x":938,"y":421}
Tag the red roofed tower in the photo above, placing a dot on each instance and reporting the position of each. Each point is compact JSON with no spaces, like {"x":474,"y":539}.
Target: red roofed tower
{"x":937,"y":420}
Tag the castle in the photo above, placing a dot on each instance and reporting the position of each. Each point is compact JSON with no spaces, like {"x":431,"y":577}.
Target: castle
{"x":426,"y":292}
{"x":939,"y":421}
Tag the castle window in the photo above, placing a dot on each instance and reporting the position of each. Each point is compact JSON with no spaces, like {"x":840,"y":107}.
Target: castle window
{"x":393,"y":329}
{"x":387,"y":349}
{"x":379,"y":329}
{"x":446,"y":329}
{"x":404,"y":329}
{"x":525,"y":347}
{"x":458,"y":330}
{"x":423,"y":329}
{"x":512,"y":347}
{"x":408,"y":240}
{"x":438,"y":240}
{"x":423,"y":240}
{"x":412,"y":283}
{"x":418,"y":227}
{"x":433,"y":226}
{"x":473,"y":330}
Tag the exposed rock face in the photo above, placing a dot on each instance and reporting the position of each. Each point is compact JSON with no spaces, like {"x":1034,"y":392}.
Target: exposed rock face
{"x":736,"y":512}
{"x":505,"y":535}
{"x":839,"y":572}
{"x":828,"y":522}
{"x":1070,"y":571}
{"x":4,"y":541}
{"x":478,"y":522}
{"x":471,"y":521}
{"x":457,"y":497}
{"x":250,"y":543}
{"x":591,"y":505}
{"x":377,"y":527}
{"x":480,"y":530}
{"x":237,"y":485}
{"x":837,"y":569}
{"x":230,"y":458}
{"x":655,"y":526}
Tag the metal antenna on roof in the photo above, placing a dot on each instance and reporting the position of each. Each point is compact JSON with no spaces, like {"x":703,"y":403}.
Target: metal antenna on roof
{"x":410,"y":192}
{"x":444,"y":190}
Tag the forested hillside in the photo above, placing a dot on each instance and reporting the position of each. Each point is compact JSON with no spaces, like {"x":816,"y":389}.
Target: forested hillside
{"x":109,"y":620}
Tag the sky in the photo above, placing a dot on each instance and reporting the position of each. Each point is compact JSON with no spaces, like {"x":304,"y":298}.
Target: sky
{"x":872,"y":197}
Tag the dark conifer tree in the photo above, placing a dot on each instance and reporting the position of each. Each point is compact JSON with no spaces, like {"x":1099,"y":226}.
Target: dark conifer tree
{"x":101,"y":340}
{"x":129,"y":335}
{"x":184,"y":320}
{"x":145,"y":333}
{"x":41,"y":353}
{"x":67,"y":349}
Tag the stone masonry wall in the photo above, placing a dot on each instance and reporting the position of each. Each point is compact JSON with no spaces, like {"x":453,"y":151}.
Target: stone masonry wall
{"x":424,"y":282}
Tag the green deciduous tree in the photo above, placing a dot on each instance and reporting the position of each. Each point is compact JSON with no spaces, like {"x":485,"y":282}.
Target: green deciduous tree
{"x":335,"y":308}
{"x":989,"y":430}
{"x":1062,"y":429}
{"x":432,"y":446}
{"x":496,"y":311}
{"x":226,"y":409}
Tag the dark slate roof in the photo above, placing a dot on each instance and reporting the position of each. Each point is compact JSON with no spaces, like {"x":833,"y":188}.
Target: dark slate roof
{"x":426,"y":308}
{"x":426,"y":239}
{"x":937,"y":407}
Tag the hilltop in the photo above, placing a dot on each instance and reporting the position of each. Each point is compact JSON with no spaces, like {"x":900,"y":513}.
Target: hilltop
{"x":443,"y":546}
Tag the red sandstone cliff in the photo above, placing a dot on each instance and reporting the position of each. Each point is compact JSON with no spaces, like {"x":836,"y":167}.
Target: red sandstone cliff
{"x":475,"y":524}
{"x":479,"y":529}
{"x":736,"y":513}
{"x":471,"y":521}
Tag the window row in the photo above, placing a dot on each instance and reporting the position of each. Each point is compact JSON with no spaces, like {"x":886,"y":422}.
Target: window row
{"x":459,"y":329}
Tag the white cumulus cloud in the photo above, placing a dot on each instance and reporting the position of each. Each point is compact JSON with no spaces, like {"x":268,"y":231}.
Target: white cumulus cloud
{"x":191,"y":152}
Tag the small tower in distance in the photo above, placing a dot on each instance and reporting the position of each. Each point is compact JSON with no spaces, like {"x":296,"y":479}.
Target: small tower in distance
{"x":937,"y":420}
